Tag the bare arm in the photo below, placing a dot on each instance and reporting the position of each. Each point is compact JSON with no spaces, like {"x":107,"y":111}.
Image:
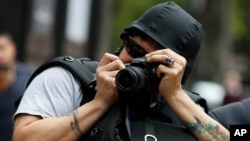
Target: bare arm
{"x":202,"y":126}
{"x":199,"y":123}
{"x":69,"y":128}
{"x":28,"y":127}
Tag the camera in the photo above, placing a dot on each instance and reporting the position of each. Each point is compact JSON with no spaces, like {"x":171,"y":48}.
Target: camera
{"x":137,"y":85}
{"x":138,"y":76}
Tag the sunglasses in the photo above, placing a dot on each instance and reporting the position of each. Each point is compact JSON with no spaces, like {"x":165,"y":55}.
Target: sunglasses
{"x":133,"y":48}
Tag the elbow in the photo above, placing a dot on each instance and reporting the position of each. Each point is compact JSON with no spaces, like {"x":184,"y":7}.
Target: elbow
{"x":19,"y":135}
{"x":22,"y":130}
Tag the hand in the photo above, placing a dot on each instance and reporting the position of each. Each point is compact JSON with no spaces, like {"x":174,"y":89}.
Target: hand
{"x":171,"y":75}
{"x":106,"y":72}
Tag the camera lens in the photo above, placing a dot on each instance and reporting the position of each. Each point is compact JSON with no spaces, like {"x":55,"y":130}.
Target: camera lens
{"x":131,"y":79}
{"x":125,"y":79}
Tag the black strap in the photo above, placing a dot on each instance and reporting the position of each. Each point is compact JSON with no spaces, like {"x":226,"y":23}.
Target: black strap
{"x":150,"y":132}
{"x":83,"y":69}
{"x":78,"y":70}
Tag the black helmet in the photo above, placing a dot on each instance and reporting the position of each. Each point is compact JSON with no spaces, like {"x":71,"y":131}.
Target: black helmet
{"x":171,"y":27}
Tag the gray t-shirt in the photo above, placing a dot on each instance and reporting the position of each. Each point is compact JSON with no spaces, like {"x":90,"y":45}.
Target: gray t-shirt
{"x":52,"y":93}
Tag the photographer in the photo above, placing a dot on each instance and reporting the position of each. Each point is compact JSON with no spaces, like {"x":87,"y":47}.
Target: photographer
{"x":165,"y":34}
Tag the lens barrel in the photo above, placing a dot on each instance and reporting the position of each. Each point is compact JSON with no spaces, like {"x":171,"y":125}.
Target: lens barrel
{"x":131,"y":79}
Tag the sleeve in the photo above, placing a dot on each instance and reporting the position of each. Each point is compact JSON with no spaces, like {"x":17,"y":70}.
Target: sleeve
{"x":234,"y":113}
{"x":52,"y":93}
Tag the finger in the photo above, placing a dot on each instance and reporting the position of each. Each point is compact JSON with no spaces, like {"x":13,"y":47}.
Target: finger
{"x":169,"y":61}
{"x":162,"y":71}
{"x":164,"y":59}
{"x":163,"y":55}
{"x":161,"y":51}
{"x":174,"y":71}
{"x":110,"y":62}
{"x":115,"y":65}
{"x":107,"y":58}
{"x":167,"y":52}
{"x":113,"y":73}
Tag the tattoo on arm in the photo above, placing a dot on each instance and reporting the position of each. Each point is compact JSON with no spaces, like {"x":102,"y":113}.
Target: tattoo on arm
{"x":75,"y":125}
{"x":206,"y":132}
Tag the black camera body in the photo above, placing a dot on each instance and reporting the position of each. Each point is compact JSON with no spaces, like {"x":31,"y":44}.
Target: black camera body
{"x":137,"y":85}
{"x":138,"y":76}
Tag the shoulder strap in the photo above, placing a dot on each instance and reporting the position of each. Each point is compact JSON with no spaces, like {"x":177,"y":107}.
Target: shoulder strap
{"x":76,"y":66}
{"x":83,"y":69}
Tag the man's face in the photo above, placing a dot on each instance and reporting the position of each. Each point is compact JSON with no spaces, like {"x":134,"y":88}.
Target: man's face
{"x":7,"y":54}
{"x":144,"y":43}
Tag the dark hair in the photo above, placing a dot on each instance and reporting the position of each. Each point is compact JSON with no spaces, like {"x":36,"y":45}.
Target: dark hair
{"x":6,"y":32}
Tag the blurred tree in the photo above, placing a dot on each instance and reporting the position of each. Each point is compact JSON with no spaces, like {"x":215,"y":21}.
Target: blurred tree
{"x":225,"y":24}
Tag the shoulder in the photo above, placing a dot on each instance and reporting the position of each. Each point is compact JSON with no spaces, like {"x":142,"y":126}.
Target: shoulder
{"x":230,"y":108}
{"x":49,"y":91}
{"x":55,"y":76}
{"x":233,"y":113}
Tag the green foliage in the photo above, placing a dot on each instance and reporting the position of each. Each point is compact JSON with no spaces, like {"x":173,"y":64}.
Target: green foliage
{"x":238,"y":26}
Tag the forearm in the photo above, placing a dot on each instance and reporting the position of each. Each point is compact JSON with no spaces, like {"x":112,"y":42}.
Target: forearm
{"x":88,"y":116}
{"x":49,"y":129}
{"x":57,"y":128}
{"x":199,"y":123}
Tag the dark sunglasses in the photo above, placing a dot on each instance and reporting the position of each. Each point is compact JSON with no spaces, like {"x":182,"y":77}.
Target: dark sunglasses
{"x":133,"y":48}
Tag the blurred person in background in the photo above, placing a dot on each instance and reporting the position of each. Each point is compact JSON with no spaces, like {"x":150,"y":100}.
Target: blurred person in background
{"x":13,"y":75}
{"x":234,"y":90}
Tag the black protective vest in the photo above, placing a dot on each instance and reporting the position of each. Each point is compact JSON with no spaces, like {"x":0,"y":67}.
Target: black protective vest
{"x":161,"y":123}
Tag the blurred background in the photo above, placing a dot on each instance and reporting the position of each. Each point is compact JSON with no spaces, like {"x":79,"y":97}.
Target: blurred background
{"x":47,"y":28}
